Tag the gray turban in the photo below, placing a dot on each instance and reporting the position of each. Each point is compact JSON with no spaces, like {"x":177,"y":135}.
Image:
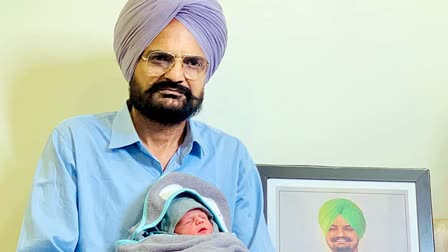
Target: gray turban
{"x":141,"y":21}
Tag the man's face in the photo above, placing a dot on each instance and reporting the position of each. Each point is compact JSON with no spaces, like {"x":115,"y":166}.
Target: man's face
{"x":341,"y":237}
{"x":169,"y":98}
{"x":194,"y":222}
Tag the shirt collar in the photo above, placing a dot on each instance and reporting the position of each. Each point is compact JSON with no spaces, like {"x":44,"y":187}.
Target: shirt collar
{"x":124,"y":133}
{"x":194,"y":137}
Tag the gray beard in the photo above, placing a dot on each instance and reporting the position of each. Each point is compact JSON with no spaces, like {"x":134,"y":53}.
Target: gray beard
{"x":144,"y":103}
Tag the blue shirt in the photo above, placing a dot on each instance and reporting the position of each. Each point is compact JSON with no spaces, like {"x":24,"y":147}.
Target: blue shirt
{"x":94,"y":173}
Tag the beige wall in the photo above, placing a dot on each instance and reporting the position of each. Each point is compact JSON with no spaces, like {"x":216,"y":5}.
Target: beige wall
{"x":303,"y":82}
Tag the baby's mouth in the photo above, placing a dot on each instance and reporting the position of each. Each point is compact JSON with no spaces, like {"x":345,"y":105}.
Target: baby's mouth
{"x":202,"y":230}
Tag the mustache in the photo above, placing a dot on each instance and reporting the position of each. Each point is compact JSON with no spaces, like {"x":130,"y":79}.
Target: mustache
{"x":345,"y":238}
{"x":163,"y":85}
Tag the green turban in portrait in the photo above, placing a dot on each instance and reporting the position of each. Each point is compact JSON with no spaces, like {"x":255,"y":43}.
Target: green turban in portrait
{"x":347,"y":209}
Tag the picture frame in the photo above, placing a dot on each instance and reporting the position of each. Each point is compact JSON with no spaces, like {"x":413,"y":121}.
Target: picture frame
{"x":396,"y":203}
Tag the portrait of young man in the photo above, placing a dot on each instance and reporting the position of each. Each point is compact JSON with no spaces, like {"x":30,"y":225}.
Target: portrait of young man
{"x":95,"y":169}
{"x":343,"y":224}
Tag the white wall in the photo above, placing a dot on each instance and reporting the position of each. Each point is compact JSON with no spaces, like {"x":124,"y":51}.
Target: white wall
{"x":330,"y":82}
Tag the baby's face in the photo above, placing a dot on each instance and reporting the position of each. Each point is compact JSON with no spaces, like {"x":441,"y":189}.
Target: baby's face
{"x":194,"y":222}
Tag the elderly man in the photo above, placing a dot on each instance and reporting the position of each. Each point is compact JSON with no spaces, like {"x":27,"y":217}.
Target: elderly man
{"x":95,"y":169}
{"x":343,"y":224}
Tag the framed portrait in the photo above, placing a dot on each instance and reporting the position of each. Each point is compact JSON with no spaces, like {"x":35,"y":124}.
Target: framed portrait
{"x":318,"y":208}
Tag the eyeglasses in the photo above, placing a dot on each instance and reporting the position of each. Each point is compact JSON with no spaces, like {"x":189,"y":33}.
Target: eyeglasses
{"x":160,"y":62}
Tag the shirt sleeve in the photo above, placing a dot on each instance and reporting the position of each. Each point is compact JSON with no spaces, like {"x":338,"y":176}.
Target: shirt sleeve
{"x":249,"y":222}
{"x":51,"y":218}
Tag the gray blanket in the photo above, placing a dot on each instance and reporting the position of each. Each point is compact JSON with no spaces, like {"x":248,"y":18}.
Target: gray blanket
{"x":222,"y":242}
{"x":145,"y":235}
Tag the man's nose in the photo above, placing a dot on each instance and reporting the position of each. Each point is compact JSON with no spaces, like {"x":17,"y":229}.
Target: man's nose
{"x":176,"y":72}
{"x":340,"y":233}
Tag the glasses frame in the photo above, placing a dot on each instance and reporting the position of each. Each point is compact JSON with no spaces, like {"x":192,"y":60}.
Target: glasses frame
{"x":181,"y":58}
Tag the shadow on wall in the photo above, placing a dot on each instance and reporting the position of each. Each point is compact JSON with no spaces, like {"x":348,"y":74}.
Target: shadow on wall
{"x":439,"y":174}
{"x":43,"y":94}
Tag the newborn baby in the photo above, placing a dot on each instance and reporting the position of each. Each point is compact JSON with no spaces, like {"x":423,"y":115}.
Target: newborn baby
{"x":187,"y":216}
{"x":182,"y":213}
